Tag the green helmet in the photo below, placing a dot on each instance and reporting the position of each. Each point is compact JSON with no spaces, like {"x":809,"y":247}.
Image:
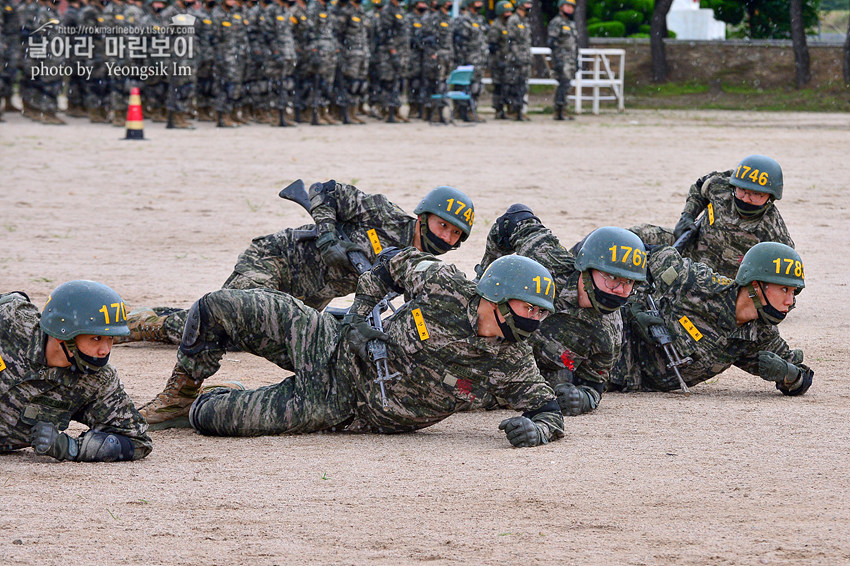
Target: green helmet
{"x":468,"y":3}
{"x":84,"y":307}
{"x":759,"y":173}
{"x":504,"y":6}
{"x":518,"y":277}
{"x":772,"y":262}
{"x":615,"y":251}
{"x":562,"y":2}
{"x":452,"y":206}
{"x":444,"y":3}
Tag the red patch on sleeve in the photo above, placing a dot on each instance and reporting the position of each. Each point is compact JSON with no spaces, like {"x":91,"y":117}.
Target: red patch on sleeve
{"x":567,"y":359}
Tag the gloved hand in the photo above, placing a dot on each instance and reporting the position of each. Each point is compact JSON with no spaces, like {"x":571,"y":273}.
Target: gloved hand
{"x":334,"y":250}
{"x":642,"y":321}
{"x":774,"y":368}
{"x":572,"y":400}
{"x":359,"y":332}
{"x":521,"y":432}
{"x":507,"y":222}
{"x":45,"y":438}
{"x":685,"y":223}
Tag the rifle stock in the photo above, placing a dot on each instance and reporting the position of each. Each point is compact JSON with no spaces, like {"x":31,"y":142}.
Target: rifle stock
{"x":689,"y":236}
{"x":662,"y":336}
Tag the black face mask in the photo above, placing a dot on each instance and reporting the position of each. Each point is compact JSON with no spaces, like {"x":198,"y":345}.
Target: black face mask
{"x":82,"y":363}
{"x":748,"y":210}
{"x":603,"y":303}
{"x":515,"y":328}
{"x":768,"y":313}
{"x":430,"y":242}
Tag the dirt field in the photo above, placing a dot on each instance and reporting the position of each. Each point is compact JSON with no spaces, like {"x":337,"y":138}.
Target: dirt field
{"x":735,"y":474}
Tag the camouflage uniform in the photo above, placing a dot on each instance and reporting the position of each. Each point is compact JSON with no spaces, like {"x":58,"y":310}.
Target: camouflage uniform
{"x":353,"y":33}
{"x":279,"y":67}
{"x":724,"y":235}
{"x":563,"y":41}
{"x":182,"y":64}
{"x":470,"y":47}
{"x":96,"y":99}
{"x":31,"y":391}
{"x":256,"y":87}
{"x":76,"y":85}
{"x":231,"y":40}
{"x":284,"y":262}
{"x":444,"y":366}
{"x":497,"y":44}
{"x":131,"y":18}
{"x":10,"y":48}
{"x":392,"y":45}
{"x":439,"y":53}
{"x":205,"y":56}
{"x":300,"y":33}
{"x":416,"y":70}
{"x":323,"y":53}
{"x":40,"y":93}
{"x":690,"y":295}
{"x":579,"y":339}
{"x":518,"y":63}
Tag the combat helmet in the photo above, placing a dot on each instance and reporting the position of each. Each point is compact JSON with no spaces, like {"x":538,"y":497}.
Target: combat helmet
{"x":759,"y":173}
{"x":770,"y":262}
{"x":504,"y":6}
{"x":451,"y":205}
{"x":517,"y":277}
{"x":614,"y":251}
{"x":83,"y":307}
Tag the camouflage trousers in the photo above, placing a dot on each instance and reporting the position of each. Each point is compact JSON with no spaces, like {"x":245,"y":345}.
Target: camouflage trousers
{"x":291,"y":335}
{"x":280,"y":263}
{"x":653,"y":235}
{"x":641,"y":366}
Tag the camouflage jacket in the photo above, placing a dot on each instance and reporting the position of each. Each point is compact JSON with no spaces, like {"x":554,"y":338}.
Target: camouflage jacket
{"x":519,"y":41}
{"x":438,"y":36}
{"x":322,"y":40}
{"x":470,"y":41}
{"x":277,"y":30}
{"x":231,"y":42}
{"x":353,"y":31}
{"x":563,"y":41}
{"x":204,"y":36}
{"x":579,"y":339}
{"x":30,"y":391}
{"x":444,"y":364}
{"x":698,"y":306}
{"x":392,"y":33}
{"x":724,"y":236}
{"x":497,"y":44}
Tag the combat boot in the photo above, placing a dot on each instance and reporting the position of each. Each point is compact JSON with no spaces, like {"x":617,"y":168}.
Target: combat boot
{"x":224,"y":121}
{"x":343,"y":114}
{"x":399,"y":117}
{"x":234,"y":115}
{"x":500,"y":113}
{"x":327,"y":117}
{"x":52,"y":119}
{"x":205,"y":115}
{"x":559,"y":112}
{"x":170,"y":409}
{"x":145,"y":326}
{"x":31,"y":113}
{"x":98,"y":115}
{"x":119,"y":119}
{"x":352,"y":115}
{"x":415,"y":108}
{"x":76,"y":111}
{"x":9,"y":106}
{"x":391,"y":115}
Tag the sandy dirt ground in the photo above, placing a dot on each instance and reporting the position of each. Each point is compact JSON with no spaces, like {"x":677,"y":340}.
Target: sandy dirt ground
{"x":735,"y":474}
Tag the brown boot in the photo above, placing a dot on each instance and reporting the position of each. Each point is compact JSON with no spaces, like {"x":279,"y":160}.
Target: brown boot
{"x":52,"y":119}
{"x":225,"y":121}
{"x":327,"y":117}
{"x":11,"y":107}
{"x":352,"y":115}
{"x":205,"y":115}
{"x":159,"y":115}
{"x":31,"y":113}
{"x":170,"y":409}
{"x":145,"y":326}
{"x":76,"y":111}
{"x":98,"y":116}
{"x":180,"y":122}
{"x":119,"y":118}
{"x":399,"y":117}
{"x":234,"y":115}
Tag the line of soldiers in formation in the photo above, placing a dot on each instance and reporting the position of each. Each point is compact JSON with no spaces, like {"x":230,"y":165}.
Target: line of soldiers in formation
{"x":541,"y":329}
{"x":267,"y":61}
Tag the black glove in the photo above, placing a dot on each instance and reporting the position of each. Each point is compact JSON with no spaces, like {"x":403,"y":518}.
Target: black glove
{"x":359,"y":332}
{"x":45,"y":438}
{"x":572,"y":400}
{"x":334,"y":250}
{"x":507,"y":222}
{"x":798,"y":387}
{"x":521,"y":432}
{"x":774,"y":368}
{"x":642,"y":321}
{"x":685,"y":223}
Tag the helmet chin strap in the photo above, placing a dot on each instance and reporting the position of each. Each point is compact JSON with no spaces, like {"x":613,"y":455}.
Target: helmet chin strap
{"x":515,"y":328}
{"x":430,"y":242}
{"x":80,"y":362}
{"x":602,"y":302}
{"x":766,"y":312}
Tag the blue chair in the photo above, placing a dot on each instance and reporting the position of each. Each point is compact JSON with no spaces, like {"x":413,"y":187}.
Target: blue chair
{"x":461,"y":78}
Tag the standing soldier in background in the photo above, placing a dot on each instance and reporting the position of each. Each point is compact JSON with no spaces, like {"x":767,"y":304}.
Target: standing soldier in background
{"x":323,"y":53}
{"x":563,"y":41}
{"x":393,"y":49}
{"x":133,"y":18}
{"x":518,"y":64}
{"x":497,"y":45}
{"x":353,"y":33}
{"x":438,"y":57}
{"x":279,"y":68}
{"x":77,"y":81}
{"x":39,"y":94}
{"x":181,"y":78}
{"x":255,"y":84}
{"x":416,"y":73}
{"x":470,"y":48}
{"x":300,"y":33}
{"x":97,"y":84}
{"x":230,"y":39}
{"x":155,"y":86}
{"x":114,"y":38}
{"x":10,"y":53}
{"x":739,"y":212}
{"x":374,"y":97}
{"x":205,"y":57}
{"x":577,"y":346}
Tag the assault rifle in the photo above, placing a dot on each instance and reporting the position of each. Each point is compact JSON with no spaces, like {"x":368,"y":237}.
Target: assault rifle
{"x":298,"y":194}
{"x":689,"y":236}
{"x":378,"y":348}
{"x":662,"y":337}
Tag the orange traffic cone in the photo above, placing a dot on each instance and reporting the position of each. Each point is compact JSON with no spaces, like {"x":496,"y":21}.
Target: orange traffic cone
{"x":135,"y":123}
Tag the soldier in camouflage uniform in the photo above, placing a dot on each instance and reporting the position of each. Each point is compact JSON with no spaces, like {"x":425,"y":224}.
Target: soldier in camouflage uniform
{"x":323,"y":55}
{"x":54,"y":369}
{"x":416,"y":72}
{"x":300,"y":33}
{"x":316,"y":270}
{"x":76,"y":85}
{"x":39,"y":93}
{"x":563,"y":41}
{"x":353,"y":82}
{"x":10,"y":53}
{"x":439,"y":53}
{"x":96,"y":97}
{"x":497,"y":45}
{"x":575,"y":347}
{"x":205,"y":55}
{"x":230,"y":48}
{"x":255,"y":83}
{"x":449,"y":343}
{"x":470,"y":48}
{"x":392,"y":46}
{"x":716,"y":321}
{"x":182,"y":64}
{"x":740,"y":212}
{"x":518,"y":63}
{"x":131,"y":19}
{"x":280,"y":65}
{"x":155,"y":91}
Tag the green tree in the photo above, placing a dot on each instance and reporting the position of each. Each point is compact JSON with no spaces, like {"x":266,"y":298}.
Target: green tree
{"x":764,"y":19}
